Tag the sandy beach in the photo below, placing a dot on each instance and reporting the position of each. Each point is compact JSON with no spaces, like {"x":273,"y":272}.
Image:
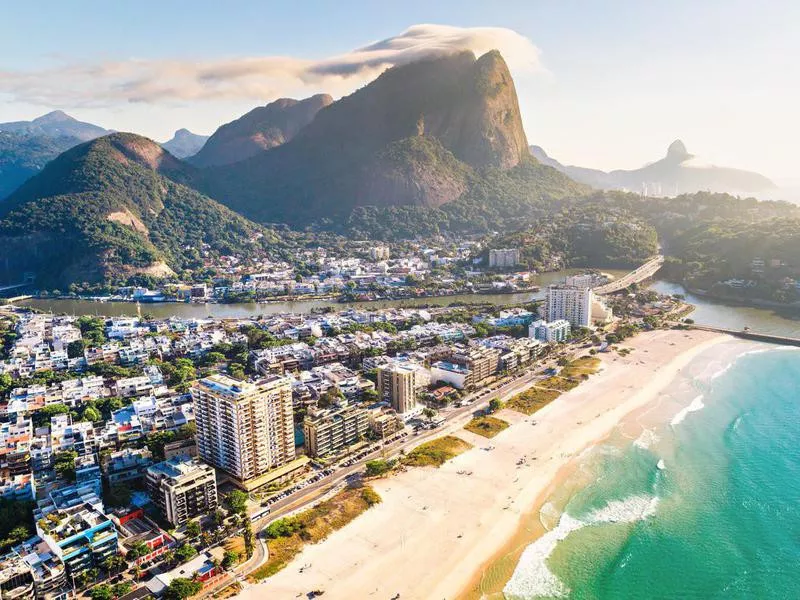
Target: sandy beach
{"x":437,"y":528}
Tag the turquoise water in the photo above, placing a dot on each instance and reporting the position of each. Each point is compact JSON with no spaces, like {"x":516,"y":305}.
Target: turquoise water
{"x":704,"y":504}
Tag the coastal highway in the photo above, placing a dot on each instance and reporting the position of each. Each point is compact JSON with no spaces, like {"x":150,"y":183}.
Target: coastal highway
{"x":455,"y":418}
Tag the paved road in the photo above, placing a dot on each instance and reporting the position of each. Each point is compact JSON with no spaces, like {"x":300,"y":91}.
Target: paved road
{"x":646,"y":271}
{"x":455,"y":419}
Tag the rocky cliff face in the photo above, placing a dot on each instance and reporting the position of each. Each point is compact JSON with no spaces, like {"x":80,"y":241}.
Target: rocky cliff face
{"x":361,"y":150}
{"x":262,"y":128}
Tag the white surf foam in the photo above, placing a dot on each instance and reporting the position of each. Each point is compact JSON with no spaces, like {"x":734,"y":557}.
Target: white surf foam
{"x":646,"y":439}
{"x":696,"y":404}
{"x":532,"y":577}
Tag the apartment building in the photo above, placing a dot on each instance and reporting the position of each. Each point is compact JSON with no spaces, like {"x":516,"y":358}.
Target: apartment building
{"x":328,"y":432}
{"x":573,"y":304}
{"x":482,"y":362}
{"x":245,"y":429}
{"x":397,"y":384}
{"x":182,"y":488}
{"x":16,"y":578}
{"x":555,"y":331}
{"x":503,"y":258}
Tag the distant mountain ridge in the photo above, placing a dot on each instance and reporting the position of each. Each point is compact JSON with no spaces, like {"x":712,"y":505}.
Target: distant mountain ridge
{"x":260,"y":129}
{"x":417,"y":135}
{"x":27,"y":146}
{"x":677,"y":173}
{"x":185,"y":143}
{"x":56,"y":124}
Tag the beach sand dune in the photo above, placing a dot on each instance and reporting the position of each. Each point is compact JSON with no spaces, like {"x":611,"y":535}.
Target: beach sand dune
{"x":437,"y":528}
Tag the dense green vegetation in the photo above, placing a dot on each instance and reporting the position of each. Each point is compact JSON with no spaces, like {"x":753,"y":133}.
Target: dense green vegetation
{"x":62,"y":216}
{"x":22,"y":155}
{"x":16,"y":522}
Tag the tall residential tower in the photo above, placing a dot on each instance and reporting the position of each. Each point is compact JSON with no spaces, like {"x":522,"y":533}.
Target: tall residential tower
{"x":245,"y":429}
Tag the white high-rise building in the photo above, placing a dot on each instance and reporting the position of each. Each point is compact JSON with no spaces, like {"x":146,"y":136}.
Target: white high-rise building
{"x":244,"y":429}
{"x":504,"y":257}
{"x":571,"y":304}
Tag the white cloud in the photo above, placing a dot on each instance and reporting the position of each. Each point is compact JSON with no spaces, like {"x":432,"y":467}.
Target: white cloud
{"x":254,"y":78}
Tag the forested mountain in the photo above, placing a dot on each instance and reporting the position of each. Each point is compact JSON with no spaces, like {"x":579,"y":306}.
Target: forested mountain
{"x":422,"y":134}
{"x":111,"y":208}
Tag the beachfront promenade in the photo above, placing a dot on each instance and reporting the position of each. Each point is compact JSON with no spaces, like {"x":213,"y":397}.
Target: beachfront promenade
{"x":646,"y":271}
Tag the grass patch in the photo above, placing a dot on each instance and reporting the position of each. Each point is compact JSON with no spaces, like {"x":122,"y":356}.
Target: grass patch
{"x":531,"y":400}
{"x":581,"y":367}
{"x":289,"y":535}
{"x":559,"y":383}
{"x":487,"y":426}
{"x":436,"y":452}
{"x":235,"y":544}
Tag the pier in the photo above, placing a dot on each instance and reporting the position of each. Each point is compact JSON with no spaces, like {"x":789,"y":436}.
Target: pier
{"x":753,"y":335}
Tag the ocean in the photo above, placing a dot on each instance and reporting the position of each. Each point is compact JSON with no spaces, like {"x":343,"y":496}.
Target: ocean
{"x":698,"y":496}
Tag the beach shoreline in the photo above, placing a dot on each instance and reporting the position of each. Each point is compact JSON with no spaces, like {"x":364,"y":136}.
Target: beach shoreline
{"x":438,"y":530}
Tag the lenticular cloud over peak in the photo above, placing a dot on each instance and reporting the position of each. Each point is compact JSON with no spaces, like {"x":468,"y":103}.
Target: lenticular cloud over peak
{"x":256,"y":77}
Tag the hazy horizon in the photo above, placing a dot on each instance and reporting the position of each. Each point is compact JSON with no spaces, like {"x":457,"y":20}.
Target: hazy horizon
{"x":607,"y":87}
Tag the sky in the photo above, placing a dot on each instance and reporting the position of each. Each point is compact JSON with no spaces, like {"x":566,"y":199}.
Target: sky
{"x":604,"y":84}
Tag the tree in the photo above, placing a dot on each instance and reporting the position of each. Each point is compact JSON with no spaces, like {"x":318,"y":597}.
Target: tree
{"x":249,"y":539}
{"x":101,"y":592}
{"x":75,"y":349}
{"x":378,"y":467}
{"x":185,"y":552}
{"x":428,"y":413}
{"x":44,"y":414}
{"x":120,"y":589}
{"x":193,"y":529}
{"x":64,"y":464}
{"x":181,"y":587}
{"x":230,"y":559}
{"x":6,"y":383}
{"x":91,"y":414}
{"x":237,"y":502}
{"x":115,"y":563}
{"x":236,"y":371}
{"x":137,"y":550}
{"x":168,"y":556}
{"x":494,"y":405}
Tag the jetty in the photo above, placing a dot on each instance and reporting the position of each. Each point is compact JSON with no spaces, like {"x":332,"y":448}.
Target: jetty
{"x":755,"y":336}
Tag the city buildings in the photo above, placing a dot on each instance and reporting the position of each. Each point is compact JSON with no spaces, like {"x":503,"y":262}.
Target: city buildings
{"x":16,"y":578}
{"x":80,"y":535}
{"x":481,"y":361}
{"x":330,"y":431}
{"x":503,"y":258}
{"x":555,"y":331}
{"x":571,"y":304}
{"x":182,"y":488}
{"x":128,"y":464}
{"x":49,"y":574}
{"x":450,"y":373}
{"x":245,"y":429}
{"x":397,"y":385}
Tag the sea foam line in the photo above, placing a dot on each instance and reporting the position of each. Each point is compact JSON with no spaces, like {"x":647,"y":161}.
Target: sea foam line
{"x":646,"y":439}
{"x":532,"y":577}
{"x":696,"y":404}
